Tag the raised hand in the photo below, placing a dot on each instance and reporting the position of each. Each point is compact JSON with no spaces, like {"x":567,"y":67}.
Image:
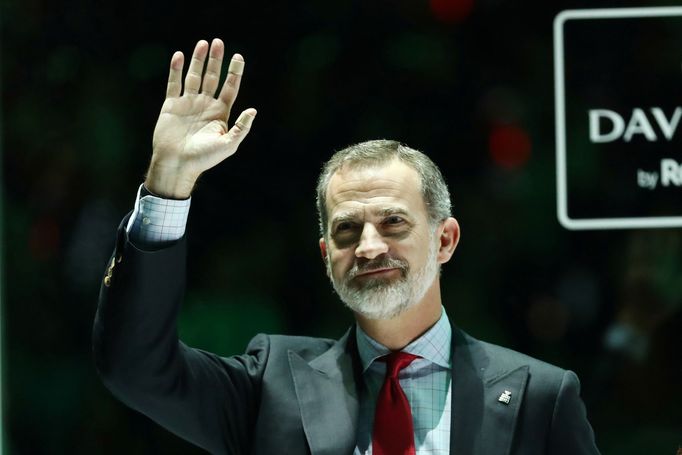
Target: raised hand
{"x":191,"y":134}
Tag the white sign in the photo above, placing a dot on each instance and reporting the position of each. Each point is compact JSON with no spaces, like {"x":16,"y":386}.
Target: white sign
{"x":643,"y":134}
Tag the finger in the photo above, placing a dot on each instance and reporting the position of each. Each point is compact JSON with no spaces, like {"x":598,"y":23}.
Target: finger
{"x":244,"y":121}
{"x":175,"y":75}
{"x":196,"y":66}
{"x":238,"y":132}
{"x":212,"y":75}
{"x":232,"y":81}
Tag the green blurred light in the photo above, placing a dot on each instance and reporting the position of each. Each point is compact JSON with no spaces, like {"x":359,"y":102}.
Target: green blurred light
{"x":316,"y":52}
{"x":224,"y":324}
{"x":148,"y":61}
{"x":62,"y":65}
{"x":419,"y":52}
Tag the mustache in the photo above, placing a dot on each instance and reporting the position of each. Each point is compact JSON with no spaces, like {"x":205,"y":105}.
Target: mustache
{"x":377,"y":264}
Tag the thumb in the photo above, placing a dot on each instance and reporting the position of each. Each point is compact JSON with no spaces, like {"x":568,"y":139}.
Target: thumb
{"x":237,"y":133}
{"x":243,"y":124}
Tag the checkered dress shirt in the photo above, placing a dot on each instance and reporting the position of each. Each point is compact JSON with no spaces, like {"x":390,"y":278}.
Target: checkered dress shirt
{"x":156,"y":220}
{"x":425,"y":381}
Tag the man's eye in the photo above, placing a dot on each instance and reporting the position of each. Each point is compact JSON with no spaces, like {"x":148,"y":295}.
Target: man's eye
{"x":341,"y":227}
{"x":393,"y":220}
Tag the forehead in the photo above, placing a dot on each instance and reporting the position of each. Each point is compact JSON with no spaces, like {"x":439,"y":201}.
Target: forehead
{"x":389,"y":185}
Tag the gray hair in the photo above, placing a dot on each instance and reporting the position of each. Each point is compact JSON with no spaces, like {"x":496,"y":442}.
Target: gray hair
{"x":372,"y":153}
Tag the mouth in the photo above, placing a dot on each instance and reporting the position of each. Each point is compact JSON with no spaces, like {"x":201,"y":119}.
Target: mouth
{"x":377,"y":272}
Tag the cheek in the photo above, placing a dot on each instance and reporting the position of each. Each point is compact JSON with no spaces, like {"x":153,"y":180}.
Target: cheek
{"x":340,"y":263}
{"x":418,"y":255}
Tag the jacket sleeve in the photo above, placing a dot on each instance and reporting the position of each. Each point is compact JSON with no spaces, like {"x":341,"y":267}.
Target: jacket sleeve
{"x":570,"y":431}
{"x":208,"y":400}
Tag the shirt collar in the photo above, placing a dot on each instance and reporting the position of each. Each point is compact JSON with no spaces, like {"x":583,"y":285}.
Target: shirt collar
{"x":434,"y":345}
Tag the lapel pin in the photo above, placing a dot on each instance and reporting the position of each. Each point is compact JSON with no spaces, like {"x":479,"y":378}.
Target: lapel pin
{"x":505,"y":397}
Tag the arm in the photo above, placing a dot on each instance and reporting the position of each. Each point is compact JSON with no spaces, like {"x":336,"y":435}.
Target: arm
{"x":570,"y":432}
{"x":209,"y":400}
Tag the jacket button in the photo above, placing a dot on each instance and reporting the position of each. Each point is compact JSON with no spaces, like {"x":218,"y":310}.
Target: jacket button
{"x":107,"y":280}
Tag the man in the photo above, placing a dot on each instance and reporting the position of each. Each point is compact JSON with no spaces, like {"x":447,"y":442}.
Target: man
{"x":400,"y":381}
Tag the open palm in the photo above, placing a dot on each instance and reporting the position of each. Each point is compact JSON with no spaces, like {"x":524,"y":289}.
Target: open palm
{"x":192,"y":134}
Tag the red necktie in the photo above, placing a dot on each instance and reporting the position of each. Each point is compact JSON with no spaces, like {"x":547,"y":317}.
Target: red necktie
{"x":393,"y":430}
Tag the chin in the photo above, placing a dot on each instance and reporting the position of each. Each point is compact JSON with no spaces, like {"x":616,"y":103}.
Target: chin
{"x":380,"y":312}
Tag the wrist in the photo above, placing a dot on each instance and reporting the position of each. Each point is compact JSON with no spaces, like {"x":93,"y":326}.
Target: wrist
{"x":169,"y":182}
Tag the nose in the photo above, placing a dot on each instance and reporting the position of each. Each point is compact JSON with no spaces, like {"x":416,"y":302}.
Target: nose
{"x":371,"y":243}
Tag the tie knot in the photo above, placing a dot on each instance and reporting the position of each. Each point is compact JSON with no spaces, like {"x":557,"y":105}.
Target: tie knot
{"x":396,"y":361}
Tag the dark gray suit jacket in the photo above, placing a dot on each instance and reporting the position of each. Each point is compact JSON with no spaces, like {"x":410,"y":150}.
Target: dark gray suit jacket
{"x":299,"y":395}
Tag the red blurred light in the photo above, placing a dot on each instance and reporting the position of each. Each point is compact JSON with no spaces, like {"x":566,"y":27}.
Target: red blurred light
{"x":509,"y":146}
{"x":451,"y":10}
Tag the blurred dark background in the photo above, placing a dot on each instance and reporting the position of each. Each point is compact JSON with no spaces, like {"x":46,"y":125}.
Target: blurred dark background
{"x":469,"y":82}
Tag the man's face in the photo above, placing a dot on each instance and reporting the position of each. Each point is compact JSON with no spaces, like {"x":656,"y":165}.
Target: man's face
{"x":381,"y":252}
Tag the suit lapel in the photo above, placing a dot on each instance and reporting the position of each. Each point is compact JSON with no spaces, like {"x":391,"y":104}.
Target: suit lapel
{"x":502,"y":397}
{"x":327,"y":396}
{"x":467,"y":396}
{"x":485,"y":399}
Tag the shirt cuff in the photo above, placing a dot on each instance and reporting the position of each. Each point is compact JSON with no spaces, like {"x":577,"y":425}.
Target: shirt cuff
{"x":156,"y":221}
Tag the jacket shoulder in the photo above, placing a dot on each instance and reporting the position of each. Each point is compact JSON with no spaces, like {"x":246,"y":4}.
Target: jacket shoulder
{"x":279,"y":345}
{"x":500,"y":360}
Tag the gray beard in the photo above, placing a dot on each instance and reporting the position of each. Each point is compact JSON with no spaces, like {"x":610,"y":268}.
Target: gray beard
{"x":380,"y":299}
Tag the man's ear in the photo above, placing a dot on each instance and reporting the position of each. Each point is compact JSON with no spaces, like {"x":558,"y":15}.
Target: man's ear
{"x":323,"y":249}
{"x":449,"y":238}
{"x":325,"y":255}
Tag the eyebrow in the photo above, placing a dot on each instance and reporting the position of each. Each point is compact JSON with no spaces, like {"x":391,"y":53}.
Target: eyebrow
{"x":354,"y":215}
{"x":388,"y":211}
